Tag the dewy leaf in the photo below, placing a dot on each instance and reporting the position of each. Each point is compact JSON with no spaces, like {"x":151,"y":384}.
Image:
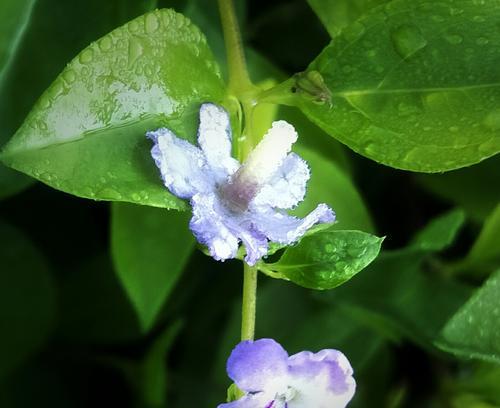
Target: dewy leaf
{"x":474,"y":331}
{"x":337,"y":14}
{"x":14,"y":16}
{"x":27,"y":299}
{"x":327,"y":258}
{"x":415,"y":84}
{"x":86,"y":134}
{"x":440,"y":232}
{"x":150,"y":249}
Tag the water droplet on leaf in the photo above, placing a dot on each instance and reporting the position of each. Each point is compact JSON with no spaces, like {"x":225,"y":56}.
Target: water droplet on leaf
{"x":407,"y":40}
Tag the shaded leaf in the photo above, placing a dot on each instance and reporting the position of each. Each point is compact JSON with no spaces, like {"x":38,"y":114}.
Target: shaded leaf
{"x":150,"y":247}
{"x":27,"y":299}
{"x":86,"y":134}
{"x":327,"y":258}
{"x":474,"y":331}
{"x":414,"y":84}
{"x":440,"y":232}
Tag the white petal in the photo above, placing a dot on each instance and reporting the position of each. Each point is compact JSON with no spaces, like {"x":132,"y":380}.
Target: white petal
{"x":286,"y":229}
{"x":208,"y":226}
{"x":287,"y":187}
{"x":214,"y":138}
{"x":182,"y":166}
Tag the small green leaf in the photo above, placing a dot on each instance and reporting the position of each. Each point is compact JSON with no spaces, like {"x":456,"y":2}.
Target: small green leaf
{"x":27,"y":299}
{"x":151,"y":247}
{"x":474,"y":331}
{"x":486,"y":250}
{"x":86,"y":134}
{"x":337,"y":14}
{"x":328,"y":258}
{"x":440,"y":232}
{"x":414,"y":84}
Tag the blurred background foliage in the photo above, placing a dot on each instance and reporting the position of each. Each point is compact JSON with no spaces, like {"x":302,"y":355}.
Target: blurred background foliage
{"x":111,"y":305}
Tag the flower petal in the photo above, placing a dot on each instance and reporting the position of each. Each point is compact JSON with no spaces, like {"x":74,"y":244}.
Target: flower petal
{"x":256,"y":245}
{"x":322,"y":380}
{"x":286,"y":229}
{"x":214,"y":138}
{"x":250,"y":401}
{"x":287,"y":187}
{"x":254,"y":364}
{"x":182,"y":165}
{"x":208,"y":226}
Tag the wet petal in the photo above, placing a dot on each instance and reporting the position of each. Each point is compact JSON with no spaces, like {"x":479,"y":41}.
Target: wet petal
{"x":286,"y":229}
{"x":254,"y":364}
{"x":256,"y":245}
{"x":322,"y":380}
{"x":287,"y":187}
{"x":208,"y":226}
{"x":182,"y":165}
{"x":214,"y":138}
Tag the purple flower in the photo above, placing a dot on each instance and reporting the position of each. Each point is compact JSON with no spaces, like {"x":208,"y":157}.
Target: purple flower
{"x":233,"y":202}
{"x":272,"y":379}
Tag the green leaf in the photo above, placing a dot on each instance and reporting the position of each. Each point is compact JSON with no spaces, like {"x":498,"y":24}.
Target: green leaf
{"x":440,"y":232}
{"x":86,"y":135}
{"x":14,"y":17}
{"x":327,"y":258}
{"x":474,"y":331}
{"x":485,"y":252}
{"x":151,"y":247}
{"x":27,"y":299}
{"x":414,"y":84}
{"x":471,"y":188}
{"x":337,"y":14}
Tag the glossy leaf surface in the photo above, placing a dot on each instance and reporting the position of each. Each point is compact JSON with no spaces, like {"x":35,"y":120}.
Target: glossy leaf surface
{"x":86,"y":134}
{"x":150,"y":249}
{"x":414,"y":84}
{"x":328,"y":258}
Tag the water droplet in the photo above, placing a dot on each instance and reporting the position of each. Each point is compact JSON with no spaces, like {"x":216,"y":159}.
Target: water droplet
{"x":490,"y":146}
{"x":492,"y":120}
{"x":454,"y":39}
{"x":136,"y":197}
{"x":109,"y":194}
{"x":482,"y":41}
{"x":479,"y":19}
{"x":56,"y":89}
{"x":453,"y":128}
{"x":105,"y":44}
{"x":437,"y":18}
{"x":354,"y":31}
{"x":133,"y":26}
{"x":86,"y":56}
{"x":407,"y":40}
{"x":135,"y":50}
{"x":346,"y":69}
{"x":69,"y":76}
{"x":152,"y":23}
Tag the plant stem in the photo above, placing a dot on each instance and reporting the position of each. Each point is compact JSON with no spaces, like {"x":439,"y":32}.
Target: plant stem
{"x":249,"y":302}
{"x":239,"y":81}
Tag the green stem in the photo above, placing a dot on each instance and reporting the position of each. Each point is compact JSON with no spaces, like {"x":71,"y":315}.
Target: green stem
{"x":249,"y":302}
{"x":239,"y":81}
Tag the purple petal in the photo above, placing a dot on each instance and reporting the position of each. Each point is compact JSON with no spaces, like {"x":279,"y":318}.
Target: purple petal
{"x":256,"y":245}
{"x":286,"y":229}
{"x":287,"y":186}
{"x":208,"y":226}
{"x":323,"y":379}
{"x":250,"y":401}
{"x":253,"y":364}
{"x":214,"y":138}
{"x":182,"y":165}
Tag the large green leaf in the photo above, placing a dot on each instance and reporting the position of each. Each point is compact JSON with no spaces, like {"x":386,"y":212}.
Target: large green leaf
{"x":474,"y":331}
{"x":47,"y":33}
{"x":86,"y":134}
{"x":337,"y":14}
{"x":414,"y":84}
{"x":327,"y":258}
{"x":27,"y":299}
{"x":150,"y":249}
